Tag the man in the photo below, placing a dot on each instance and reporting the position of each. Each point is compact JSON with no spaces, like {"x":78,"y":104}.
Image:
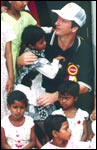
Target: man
{"x":79,"y":58}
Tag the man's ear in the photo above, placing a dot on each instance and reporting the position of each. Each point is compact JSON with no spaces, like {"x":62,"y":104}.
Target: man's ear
{"x":74,"y":29}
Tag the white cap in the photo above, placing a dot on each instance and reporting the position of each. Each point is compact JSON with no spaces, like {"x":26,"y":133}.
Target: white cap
{"x":72,"y":12}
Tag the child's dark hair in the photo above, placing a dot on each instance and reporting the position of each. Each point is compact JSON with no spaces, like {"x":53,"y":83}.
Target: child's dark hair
{"x":31,"y":35}
{"x":69,"y":87}
{"x":7,"y":4}
{"x":17,"y":95}
{"x":53,"y":122}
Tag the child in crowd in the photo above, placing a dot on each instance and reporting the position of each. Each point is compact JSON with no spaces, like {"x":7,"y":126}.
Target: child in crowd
{"x":93,"y":114}
{"x":57,"y":129}
{"x":7,"y":35}
{"x":15,"y":17}
{"x":29,"y":8}
{"x":92,"y":137}
{"x":77,"y":118}
{"x":29,"y":78}
{"x":21,"y":134}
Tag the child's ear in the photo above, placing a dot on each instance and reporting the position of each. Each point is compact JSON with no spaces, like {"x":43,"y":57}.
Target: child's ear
{"x":76,"y":99}
{"x":54,"y":133}
{"x":8,"y":106}
{"x":31,"y":46}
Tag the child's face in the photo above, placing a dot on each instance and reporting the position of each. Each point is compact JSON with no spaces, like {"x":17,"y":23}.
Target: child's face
{"x":67,"y":101}
{"x":17,"y":109}
{"x":18,"y":5}
{"x":65,"y":132}
{"x":41,"y":44}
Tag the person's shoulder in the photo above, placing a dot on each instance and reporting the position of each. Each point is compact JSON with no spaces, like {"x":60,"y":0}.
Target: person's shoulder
{"x":26,"y":14}
{"x":58,"y":112}
{"x":4,"y":16}
{"x":49,"y":36}
{"x":84,"y":42}
{"x":4,"y":121}
{"x":48,"y":145}
{"x":83,"y":113}
{"x":29,"y":121}
{"x":28,"y":118}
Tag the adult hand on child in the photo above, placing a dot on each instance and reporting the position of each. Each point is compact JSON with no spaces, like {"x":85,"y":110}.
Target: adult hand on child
{"x":26,"y":58}
{"x":47,"y":99}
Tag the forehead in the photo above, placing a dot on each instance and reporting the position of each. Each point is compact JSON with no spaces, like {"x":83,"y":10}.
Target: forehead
{"x":65,"y":124}
{"x":65,"y":20}
{"x":17,"y":2}
{"x":41,"y":40}
{"x":65,"y":94}
{"x":18,"y":103}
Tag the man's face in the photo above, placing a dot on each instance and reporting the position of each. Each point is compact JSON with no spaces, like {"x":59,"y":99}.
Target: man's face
{"x":63,"y":27}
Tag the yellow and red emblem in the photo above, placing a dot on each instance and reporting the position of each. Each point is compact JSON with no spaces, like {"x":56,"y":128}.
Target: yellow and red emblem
{"x":72,"y":70}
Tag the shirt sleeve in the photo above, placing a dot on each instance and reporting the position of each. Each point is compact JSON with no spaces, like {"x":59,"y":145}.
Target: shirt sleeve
{"x":49,"y":69}
{"x":29,"y":123}
{"x":84,"y":58}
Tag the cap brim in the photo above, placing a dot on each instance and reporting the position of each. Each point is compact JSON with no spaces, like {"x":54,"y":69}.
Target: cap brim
{"x":56,"y":11}
{"x":61,"y":14}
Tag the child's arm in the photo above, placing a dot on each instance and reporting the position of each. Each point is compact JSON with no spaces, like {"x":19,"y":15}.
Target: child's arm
{"x":93,"y":114}
{"x":8,"y":54}
{"x":4,"y":144}
{"x":85,"y":131}
{"x":32,"y":142}
{"x":50,"y":69}
{"x":38,"y":144}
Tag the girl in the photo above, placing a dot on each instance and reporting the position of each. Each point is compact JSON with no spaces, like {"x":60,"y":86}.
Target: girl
{"x":77,"y":118}
{"x":57,"y":128}
{"x":7,"y":76}
{"x":21,"y":134}
{"x":15,"y":17}
{"x":29,"y":78}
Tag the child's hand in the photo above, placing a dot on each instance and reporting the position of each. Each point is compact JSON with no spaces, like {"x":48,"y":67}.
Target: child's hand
{"x":9,"y":86}
{"x":93,"y":115}
{"x":91,"y":136}
{"x":59,"y":57}
{"x":4,"y":9}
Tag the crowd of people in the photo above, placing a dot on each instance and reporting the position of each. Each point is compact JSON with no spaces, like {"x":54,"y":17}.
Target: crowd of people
{"x":47,"y":80}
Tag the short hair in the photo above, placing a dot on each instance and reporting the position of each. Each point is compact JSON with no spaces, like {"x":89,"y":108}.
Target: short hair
{"x":53,"y":122}
{"x":32,"y":34}
{"x":7,"y":4}
{"x":17,"y":95}
{"x":69,"y":87}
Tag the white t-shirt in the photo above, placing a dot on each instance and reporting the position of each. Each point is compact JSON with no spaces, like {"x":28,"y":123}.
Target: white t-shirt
{"x":75,"y":123}
{"x":70,"y":145}
{"x":17,"y":137}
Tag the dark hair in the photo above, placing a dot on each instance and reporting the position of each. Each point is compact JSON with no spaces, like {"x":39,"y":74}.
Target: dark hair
{"x":69,"y":87}
{"x":74,"y":24}
{"x":17,"y":95}
{"x":32,"y":34}
{"x":7,"y":4}
{"x":53,"y":122}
